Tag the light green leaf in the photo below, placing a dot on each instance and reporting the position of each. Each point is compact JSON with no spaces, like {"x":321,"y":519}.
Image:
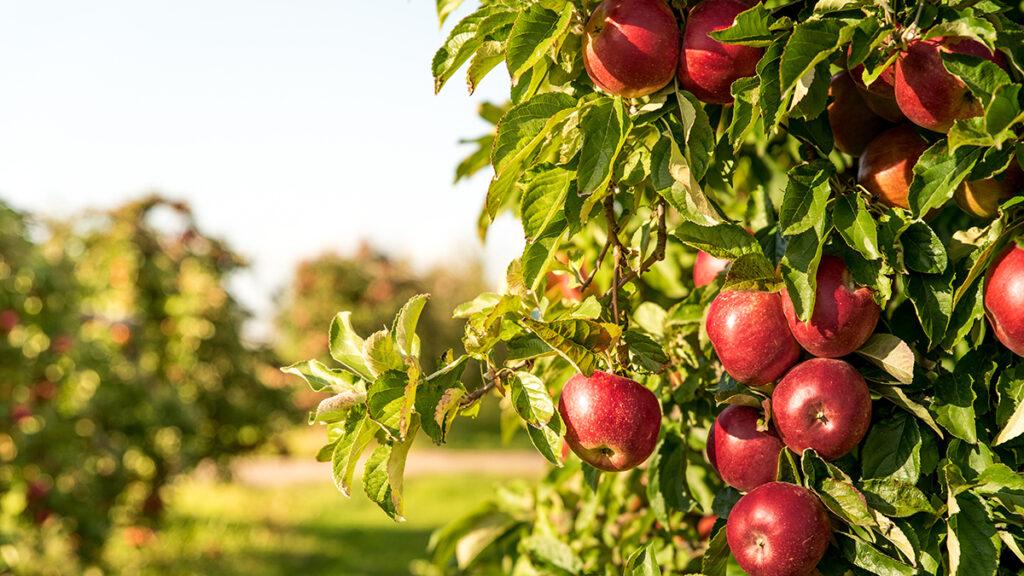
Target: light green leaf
{"x":533,"y":35}
{"x":803,"y":204}
{"x":553,"y":552}
{"x":800,"y":266}
{"x":548,"y":439}
{"x":320,"y":377}
{"x":893,"y":450}
{"x":685,"y":193}
{"x":846,"y":502}
{"x":895,"y":497}
{"x":723,"y":240}
{"x":891,"y":354}
{"x":544,"y":200}
{"x":347,"y":347}
{"x":405,"y":325}
{"x":446,"y":7}
{"x":387,"y":399}
{"x":856,"y":225}
{"x":642,"y":563}
{"x":953,"y":405}
{"x":937,"y":175}
{"x":576,"y":341}
{"x":381,"y":354}
{"x":531,"y":398}
{"x":604,"y":128}
{"x":971,"y":540}
{"x":812,"y":41}
{"x":869,"y":558}
{"x":749,"y":28}
{"x":967,"y":27}
{"x":355,"y":437}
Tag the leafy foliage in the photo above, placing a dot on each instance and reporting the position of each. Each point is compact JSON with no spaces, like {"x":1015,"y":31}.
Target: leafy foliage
{"x":615,"y":195}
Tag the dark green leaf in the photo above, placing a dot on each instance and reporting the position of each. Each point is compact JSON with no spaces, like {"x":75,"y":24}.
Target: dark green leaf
{"x":533,"y":35}
{"x":856,"y":225}
{"x":893,"y":449}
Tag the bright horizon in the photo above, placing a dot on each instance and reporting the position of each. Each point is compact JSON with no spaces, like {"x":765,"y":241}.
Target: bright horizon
{"x":267,"y":116}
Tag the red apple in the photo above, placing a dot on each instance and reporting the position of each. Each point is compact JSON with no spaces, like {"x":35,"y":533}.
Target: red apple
{"x":778,"y":529}
{"x":611,"y":422}
{"x":880,"y":96}
{"x":631,"y":47}
{"x":1004,"y":298}
{"x":560,"y":287}
{"x":707,"y":67}
{"x":981,"y":198}
{"x":20,"y":412}
{"x":822,"y":404}
{"x":706,"y":268}
{"x":705,"y":525}
{"x":887,"y":166}
{"x":742,"y":455}
{"x":926,"y":92}
{"x":853,"y":123}
{"x":8,"y":320}
{"x":751,"y":337}
{"x":844,"y":317}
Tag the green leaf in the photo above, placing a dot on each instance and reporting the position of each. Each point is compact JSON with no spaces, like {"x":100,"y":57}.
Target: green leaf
{"x":893,"y":449}
{"x":685,"y":193}
{"x":667,"y":490}
{"x":544,"y":200}
{"x":1010,"y":408}
{"x":846,"y":502}
{"x":335,"y":408}
{"x":854,"y":223}
{"x":604,"y":127}
{"x":867,"y":557}
{"x":744,"y":111}
{"x":487,"y":57}
{"x":355,"y":437}
{"x":800,"y":267}
{"x":971,"y":540}
{"x":446,"y":7}
{"x":953,"y":405}
{"x":937,"y":175}
{"x":723,"y":240}
{"x":812,"y":42}
{"x":553,"y":552}
{"x":576,"y":341}
{"x":922,"y":250}
{"x":968,"y":27}
{"x":533,"y":35}
{"x":895,"y":498}
{"x":750,"y":28}
{"x":698,"y":135}
{"x":438,"y":399}
{"x":381,"y":354}
{"x":644,"y":350}
{"x":320,"y":377}
{"x":716,"y":558}
{"x":383,"y":476}
{"x":932,"y":297}
{"x":405,"y":325}
{"x":891,"y":354}
{"x":642,"y":563}
{"x":548,"y":439}
{"x":347,"y":347}
{"x":899,"y":397}
{"x":540,"y":253}
{"x":531,"y":398}
{"x":521,"y":130}
{"x":465,"y":38}
{"x":769,"y":95}
{"x":387,"y":399}
{"x":803,"y":204}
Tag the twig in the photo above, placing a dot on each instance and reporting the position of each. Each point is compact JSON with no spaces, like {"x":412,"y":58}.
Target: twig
{"x":659,"y":250}
{"x":597,"y":265}
{"x":490,"y":381}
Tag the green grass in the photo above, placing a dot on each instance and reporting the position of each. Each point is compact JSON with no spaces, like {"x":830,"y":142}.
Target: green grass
{"x":227,"y":529}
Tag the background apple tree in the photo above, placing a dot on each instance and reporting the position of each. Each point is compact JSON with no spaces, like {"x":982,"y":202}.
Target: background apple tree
{"x":877,"y":139}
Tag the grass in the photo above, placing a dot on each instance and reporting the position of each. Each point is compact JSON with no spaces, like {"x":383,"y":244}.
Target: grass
{"x":228,"y":529}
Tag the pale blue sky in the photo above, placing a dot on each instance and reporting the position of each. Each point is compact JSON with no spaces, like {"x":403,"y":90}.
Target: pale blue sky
{"x":291,"y":126}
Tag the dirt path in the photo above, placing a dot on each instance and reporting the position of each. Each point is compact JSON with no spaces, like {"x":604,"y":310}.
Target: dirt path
{"x":268,"y":471}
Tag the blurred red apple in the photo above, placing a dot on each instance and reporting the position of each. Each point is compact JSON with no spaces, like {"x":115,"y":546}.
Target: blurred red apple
{"x":853,"y":123}
{"x":887,"y":165}
{"x":707,"y":67}
{"x":706,"y":268}
{"x":631,"y":47}
{"x":705,"y":525}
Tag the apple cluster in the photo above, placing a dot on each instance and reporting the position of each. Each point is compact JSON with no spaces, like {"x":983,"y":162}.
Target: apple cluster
{"x":632,"y":48}
{"x":880,"y":122}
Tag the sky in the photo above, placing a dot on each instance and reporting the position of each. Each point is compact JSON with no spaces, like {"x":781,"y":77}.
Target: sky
{"x":292,"y":127}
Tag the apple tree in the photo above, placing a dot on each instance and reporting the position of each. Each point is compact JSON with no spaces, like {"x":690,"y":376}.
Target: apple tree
{"x":770,"y":312}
